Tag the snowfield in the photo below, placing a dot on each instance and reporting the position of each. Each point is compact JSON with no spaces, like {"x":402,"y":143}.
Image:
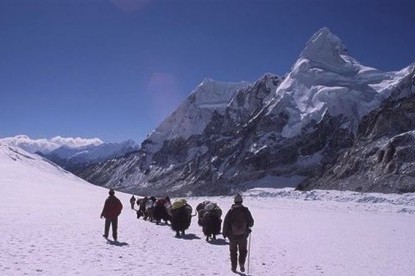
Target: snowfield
{"x":50,"y":225}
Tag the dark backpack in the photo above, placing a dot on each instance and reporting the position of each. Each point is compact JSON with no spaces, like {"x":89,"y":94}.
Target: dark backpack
{"x":239,"y":221}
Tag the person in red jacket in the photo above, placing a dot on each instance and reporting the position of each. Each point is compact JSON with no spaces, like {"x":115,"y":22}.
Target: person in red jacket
{"x":111,"y":211}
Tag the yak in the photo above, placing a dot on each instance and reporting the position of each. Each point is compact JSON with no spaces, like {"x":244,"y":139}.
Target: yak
{"x":161,"y":208}
{"x":181,"y":215}
{"x":210,"y":219}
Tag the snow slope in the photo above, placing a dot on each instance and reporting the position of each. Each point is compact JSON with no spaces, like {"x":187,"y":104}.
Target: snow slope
{"x":50,"y":226}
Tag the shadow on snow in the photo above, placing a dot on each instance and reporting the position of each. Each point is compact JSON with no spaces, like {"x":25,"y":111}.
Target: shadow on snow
{"x":218,"y":242}
{"x":189,"y":237}
{"x":117,"y":243}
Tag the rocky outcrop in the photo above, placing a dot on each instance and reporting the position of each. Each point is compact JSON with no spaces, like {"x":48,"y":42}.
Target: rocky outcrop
{"x":382,"y":158}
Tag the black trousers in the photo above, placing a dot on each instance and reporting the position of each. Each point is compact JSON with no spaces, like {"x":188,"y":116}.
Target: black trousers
{"x":234,"y":245}
{"x":114,"y":223}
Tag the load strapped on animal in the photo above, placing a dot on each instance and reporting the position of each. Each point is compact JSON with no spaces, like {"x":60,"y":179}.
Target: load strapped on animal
{"x":181,"y":215}
{"x":209,"y":217}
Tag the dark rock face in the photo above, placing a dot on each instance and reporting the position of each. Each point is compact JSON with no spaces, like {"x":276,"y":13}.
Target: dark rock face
{"x":382,"y":158}
{"x":234,"y":148}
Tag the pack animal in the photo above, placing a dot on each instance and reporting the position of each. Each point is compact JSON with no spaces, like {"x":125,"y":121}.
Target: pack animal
{"x":181,"y":216}
{"x":210,"y":219}
{"x":161,"y":208}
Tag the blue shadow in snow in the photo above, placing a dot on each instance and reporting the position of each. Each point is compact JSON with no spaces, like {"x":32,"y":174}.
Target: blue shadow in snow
{"x":218,"y":242}
{"x":189,"y":237}
{"x":117,"y":243}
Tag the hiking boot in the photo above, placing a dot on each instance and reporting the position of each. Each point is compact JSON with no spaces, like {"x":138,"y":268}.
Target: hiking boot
{"x":233,"y":270}
{"x":106,"y":237}
{"x":242,"y":268}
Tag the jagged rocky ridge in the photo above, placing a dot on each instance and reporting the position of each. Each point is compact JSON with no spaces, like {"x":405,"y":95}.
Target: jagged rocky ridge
{"x":382,"y":159}
{"x":299,"y":130}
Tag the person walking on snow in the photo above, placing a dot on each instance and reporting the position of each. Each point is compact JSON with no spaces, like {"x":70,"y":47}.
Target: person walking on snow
{"x":111,"y":211}
{"x":132,"y":202}
{"x":236,"y":227}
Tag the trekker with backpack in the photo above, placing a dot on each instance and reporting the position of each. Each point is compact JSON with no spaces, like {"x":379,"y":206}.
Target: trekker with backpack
{"x":111,"y":211}
{"x":236,"y":227}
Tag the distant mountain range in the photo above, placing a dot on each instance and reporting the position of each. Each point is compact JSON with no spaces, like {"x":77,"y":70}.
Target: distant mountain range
{"x":75,"y":159}
{"x":47,"y":145}
{"x":72,"y":154}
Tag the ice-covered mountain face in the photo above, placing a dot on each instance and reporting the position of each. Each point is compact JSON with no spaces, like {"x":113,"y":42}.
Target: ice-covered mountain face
{"x":74,"y":159}
{"x":47,"y":145}
{"x":192,"y":116}
{"x":181,"y":153}
{"x":382,"y":158}
{"x":276,"y":132}
{"x":326,"y":80}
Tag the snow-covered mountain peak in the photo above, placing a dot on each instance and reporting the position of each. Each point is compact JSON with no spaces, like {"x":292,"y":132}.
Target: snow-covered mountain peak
{"x":271,"y":80}
{"x":192,"y":116}
{"x":211,"y":93}
{"x":324,"y":47}
{"x":326,"y":80}
{"x":22,"y":137}
{"x":292,"y":128}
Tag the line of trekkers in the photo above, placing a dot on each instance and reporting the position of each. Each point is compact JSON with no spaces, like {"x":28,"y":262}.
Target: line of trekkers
{"x":236,"y":226}
{"x":179,"y":214}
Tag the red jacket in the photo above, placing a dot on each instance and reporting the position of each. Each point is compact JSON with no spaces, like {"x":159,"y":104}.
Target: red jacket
{"x":112,"y":208}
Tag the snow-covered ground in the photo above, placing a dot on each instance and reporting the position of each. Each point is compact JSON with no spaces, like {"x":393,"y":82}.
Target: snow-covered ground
{"x":50,"y":225}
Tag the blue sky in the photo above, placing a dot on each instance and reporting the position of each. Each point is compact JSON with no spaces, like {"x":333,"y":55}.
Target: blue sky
{"x":116,"y":69}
